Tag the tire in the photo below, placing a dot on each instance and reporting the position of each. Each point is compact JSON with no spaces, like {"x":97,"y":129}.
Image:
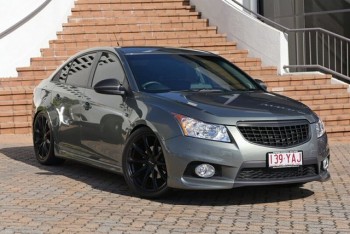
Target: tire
{"x":144,"y":164}
{"x":43,"y":141}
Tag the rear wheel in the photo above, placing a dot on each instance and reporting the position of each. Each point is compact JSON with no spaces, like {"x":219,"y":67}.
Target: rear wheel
{"x":43,"y":141}
{"x":144,"y":165}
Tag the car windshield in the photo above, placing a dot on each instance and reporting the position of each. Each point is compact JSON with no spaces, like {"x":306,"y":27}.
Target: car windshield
{"x":187,"y":72}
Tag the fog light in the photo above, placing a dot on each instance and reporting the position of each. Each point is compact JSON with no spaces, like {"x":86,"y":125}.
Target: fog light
{"x":325,"y":164}
{"x":205,"y":170}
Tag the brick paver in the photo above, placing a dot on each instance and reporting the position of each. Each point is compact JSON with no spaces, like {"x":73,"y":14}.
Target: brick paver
{"x":75,"y":198}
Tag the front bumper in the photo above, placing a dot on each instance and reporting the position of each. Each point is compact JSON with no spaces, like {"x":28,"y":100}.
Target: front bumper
{"x":232,"y":159}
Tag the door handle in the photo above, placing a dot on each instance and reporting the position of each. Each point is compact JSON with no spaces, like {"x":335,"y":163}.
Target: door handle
{"x":87,"y":106}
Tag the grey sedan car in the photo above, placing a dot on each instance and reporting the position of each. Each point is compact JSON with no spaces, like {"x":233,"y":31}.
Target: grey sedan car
{"x":169,"y":118}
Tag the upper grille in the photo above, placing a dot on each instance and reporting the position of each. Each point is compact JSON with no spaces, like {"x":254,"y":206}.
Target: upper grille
{"x":276,"y":134}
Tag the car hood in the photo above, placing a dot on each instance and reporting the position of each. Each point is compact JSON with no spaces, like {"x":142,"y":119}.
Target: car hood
{"x":229,"y":108}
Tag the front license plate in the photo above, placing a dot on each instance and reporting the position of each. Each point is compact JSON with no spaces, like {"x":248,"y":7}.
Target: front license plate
{"x":285,"y":159}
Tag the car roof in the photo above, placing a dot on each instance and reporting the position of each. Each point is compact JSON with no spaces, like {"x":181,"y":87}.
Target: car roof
{"x":137,"y":50}
{"x":158,"y":50}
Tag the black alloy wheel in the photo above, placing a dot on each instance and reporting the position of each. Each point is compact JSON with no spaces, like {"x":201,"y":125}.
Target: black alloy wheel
{"x":144,"y":164}
{"x":43,"y":141}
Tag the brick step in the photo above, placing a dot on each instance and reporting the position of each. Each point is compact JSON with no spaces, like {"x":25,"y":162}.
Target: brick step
{"x":136,"y":7}
{"x":230,"y":54}
{"x":16,"y":93}
{"x":217,"y":46}
{"x":132,"y":6}
{"x":73,"y":44}
{"x":15,"y":116}
{"x":146,"y":12}
{"x":321,"y":99}
{"x":169,"y":33}
{"x":18,"y":81}
{"x":295,"y":80}
{"x":331,"y":109}
{"x":123,"y":1}
{"x":338,"y":131}
{"x":15,"y":128}
{"x":145,"y":27}
{"x":336,"y":120}
{"x":146,"y":17}
{"x":25,"y":104}
{"x":212,"y":46}
{"x":310,"y":90}
{"x":133,"y":21}
{"x":246,"y":62}
{"x":142,"y":40}
{"x":134,"y":3}
{"x":48,"y":61}
{"x":80,"y":45}
{"x":258,"y":70}
{"x":37,"y":73}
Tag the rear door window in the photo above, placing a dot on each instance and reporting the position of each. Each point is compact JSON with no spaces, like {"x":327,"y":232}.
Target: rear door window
{"x":79,"y":71}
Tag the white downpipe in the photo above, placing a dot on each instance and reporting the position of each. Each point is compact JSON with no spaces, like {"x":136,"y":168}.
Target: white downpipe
{"x":24,"y":43}
{"x":261,"y":40}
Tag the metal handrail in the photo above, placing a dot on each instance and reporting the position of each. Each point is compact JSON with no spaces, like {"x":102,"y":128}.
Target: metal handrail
{"x":24,"y":20}
{"x":316,"y":48}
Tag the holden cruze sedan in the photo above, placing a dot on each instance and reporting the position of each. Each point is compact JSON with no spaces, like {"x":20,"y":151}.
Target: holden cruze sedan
{"x":175,"y":118}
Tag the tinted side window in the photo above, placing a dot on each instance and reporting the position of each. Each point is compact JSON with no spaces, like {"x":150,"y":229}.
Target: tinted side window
{"x":80,"y":70}
{"x":61,"y":75}
{"x":108,"y":67}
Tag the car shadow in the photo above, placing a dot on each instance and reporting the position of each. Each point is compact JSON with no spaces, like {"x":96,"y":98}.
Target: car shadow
{"x":113,"y":183}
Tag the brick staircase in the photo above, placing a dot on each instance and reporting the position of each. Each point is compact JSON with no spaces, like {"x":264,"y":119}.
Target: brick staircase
{"x":162,"y":23}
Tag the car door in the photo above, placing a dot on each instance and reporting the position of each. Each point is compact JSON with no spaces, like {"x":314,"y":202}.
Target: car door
{"x":104,"y":116}
{"x":67,"y":100}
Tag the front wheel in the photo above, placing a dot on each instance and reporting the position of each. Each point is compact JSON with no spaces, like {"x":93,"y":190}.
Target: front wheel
{"x":43,"y":141}
{"x":144,"y":165}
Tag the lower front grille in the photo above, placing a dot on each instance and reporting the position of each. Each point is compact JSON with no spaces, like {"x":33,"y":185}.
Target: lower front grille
{"x":263,"y":174}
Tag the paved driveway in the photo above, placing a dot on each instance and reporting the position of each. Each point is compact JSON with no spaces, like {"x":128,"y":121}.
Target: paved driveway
{"x":75,"y":198}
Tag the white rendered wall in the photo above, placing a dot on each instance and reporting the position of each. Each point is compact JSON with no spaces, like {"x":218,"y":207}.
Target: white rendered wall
{"x":260,"y":39}
{"x":17,"y":48}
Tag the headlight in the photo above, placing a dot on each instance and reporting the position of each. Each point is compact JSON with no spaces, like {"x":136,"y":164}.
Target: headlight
{"x":198,"y":129}
{"x":320,"y":129}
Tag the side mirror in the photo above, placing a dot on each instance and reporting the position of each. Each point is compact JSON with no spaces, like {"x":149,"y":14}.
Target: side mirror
{"x":261,"y":83}
{"x":109,"y":86}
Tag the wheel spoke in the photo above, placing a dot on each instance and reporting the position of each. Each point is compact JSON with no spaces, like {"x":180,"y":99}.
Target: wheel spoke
{"x":154,"y":179}
{"x":40,"y":146}
{"x":41,"y":149}
{"x":139,"y":150}
{"x":45,"y":149}
{"x":42,"y":124}
{"x":156,"y":146}
{"x":162,"y":174}
{"x":137,"y":161}
{"x":37,"y":141}
{"x":147,"y":147}
{"x":146,"y":176}
{"x":139,"y":171}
